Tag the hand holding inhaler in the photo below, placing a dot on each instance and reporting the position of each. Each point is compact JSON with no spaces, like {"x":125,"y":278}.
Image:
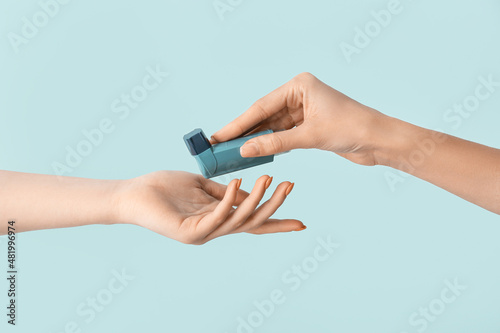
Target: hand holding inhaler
{"x":307,"y":113}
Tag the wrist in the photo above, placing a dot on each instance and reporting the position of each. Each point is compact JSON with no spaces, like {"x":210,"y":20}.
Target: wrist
{"x":117,"y":195}
{"x":379,"y":139}
{"x":129,"y":196}
{"x":402,"y":145}
{"x":388,"y":140}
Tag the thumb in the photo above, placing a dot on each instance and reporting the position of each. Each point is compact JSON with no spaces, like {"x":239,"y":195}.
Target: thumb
{"x":274,"y":143}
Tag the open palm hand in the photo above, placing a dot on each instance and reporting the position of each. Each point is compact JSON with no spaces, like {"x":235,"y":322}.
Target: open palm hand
{"x":195,"y":210}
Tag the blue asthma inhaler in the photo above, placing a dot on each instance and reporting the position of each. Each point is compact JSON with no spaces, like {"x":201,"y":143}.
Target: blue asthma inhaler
{"x":221,"y":158}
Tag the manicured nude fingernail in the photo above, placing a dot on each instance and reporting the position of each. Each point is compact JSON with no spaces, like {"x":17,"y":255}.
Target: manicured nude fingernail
{"x":301,"y":228}
{"x":214,"y":140}
{"x":249,"y":149}
{"x":239,"y":183}
{"x":268,"y":182}
{"x":289,"y":189}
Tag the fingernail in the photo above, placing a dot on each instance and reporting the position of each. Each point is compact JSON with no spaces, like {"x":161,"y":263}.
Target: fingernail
{"x":239,"y":183}
{"x":213,"y":139}
{"x":268,"y":182}
{"x":301,"y":228}
{"x":289,"y":189}
{"x":249,"y":149}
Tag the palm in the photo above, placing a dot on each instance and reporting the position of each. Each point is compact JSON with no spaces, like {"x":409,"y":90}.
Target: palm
{"x":309,"y":113}
{"x":177,"y":196}
{"x":191,"y":209}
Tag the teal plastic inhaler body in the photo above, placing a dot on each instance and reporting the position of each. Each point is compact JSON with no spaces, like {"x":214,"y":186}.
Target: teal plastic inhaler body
{"x":221,"y":158}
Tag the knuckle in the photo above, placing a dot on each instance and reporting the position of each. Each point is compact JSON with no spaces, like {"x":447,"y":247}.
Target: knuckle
{"x":239,"y":127}
{"x":305,"y":78}
{"x":189,"y":239}
{"x":276,"y":143}
{"x":261,"y":111}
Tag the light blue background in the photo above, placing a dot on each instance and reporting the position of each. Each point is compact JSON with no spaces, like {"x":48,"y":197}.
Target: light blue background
{"x":396,"y":248}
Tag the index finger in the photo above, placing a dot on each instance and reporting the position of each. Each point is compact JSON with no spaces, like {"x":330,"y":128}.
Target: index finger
{"x":218,"y":190}
{"x":258,"y":112}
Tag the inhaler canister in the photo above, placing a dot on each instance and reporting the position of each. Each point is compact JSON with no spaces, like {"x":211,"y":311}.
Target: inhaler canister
{"x":221,"y":158}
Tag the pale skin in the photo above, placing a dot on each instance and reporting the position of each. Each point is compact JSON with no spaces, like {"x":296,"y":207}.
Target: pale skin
{"x":188,"y":208}
{"x":310,"y":114}
{"x":179,"y":205}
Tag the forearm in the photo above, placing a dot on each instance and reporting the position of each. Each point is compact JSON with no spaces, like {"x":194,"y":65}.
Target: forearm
{"x":43,"y":201}
{"x":467,"y":169}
